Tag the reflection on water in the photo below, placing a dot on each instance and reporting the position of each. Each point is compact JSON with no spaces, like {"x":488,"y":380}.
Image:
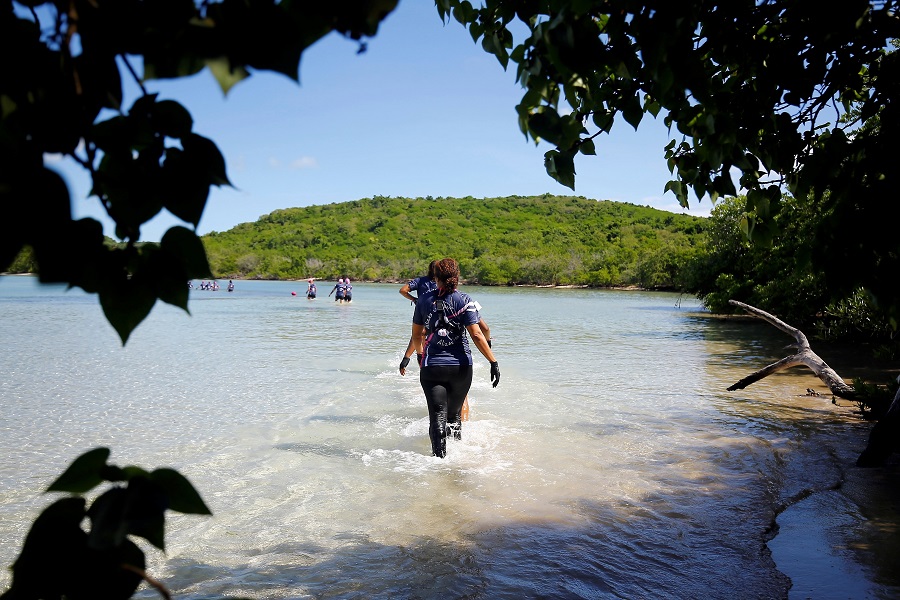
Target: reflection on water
{"x":610,"y":461}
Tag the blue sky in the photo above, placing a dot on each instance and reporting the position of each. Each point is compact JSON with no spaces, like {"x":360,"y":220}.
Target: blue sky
{"x":423,"y":112}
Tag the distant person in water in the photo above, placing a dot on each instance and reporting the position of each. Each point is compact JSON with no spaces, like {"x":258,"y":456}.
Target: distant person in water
{"x":230,"y":285}
{"x":348,"y":290}
{"x":441,"y":322}
{"x":339,"y":288}
{"x":311,"y":290}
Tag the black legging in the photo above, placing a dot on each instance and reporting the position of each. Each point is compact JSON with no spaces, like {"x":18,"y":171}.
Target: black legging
{"x":445,"y":390}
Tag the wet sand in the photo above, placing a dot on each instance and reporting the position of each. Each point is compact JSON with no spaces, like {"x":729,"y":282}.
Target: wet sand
{"x":844,"y":543}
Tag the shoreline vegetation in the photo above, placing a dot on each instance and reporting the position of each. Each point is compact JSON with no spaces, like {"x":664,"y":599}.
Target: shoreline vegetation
{"x":546,"y":241}
{"x":541,"y":241}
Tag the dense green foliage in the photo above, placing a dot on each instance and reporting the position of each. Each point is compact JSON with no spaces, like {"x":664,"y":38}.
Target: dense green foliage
{"x":773,"y":91}
{"x":548,"y":240}
{"x":781,"y":279}
{"x":62,"y":66}
{"x":766,"y":96}
{"x":777,"y":278}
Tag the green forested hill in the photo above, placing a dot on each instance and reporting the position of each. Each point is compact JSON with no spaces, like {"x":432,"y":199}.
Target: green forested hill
{"x":558,"y":240}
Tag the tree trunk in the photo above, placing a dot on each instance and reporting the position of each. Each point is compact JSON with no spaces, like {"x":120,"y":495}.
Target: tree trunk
{"x":885,"y":437}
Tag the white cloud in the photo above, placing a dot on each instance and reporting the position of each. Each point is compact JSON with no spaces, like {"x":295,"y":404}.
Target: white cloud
{"x":305,"y":162}
{"x":697,"y":209}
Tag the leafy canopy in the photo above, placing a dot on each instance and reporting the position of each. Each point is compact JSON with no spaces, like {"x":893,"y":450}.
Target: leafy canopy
{"x":765,"y":96}
{"x":62,"y":63}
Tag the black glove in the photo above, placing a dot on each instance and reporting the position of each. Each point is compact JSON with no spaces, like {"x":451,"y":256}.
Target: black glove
{"x":495,"y":373}
{"x":404,"y":363}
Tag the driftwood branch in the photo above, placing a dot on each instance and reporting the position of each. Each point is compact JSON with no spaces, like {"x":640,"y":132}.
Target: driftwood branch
{"x":884,"y":438}
{"x":803,"y":356}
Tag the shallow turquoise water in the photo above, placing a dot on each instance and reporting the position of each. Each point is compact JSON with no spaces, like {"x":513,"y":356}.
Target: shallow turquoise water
{"x":609,"y":463}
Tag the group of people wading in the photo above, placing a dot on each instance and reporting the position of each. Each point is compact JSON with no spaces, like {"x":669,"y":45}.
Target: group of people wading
{"x":441,"y":321}
{"x":342,"y":287}
{"x":342,"y":290}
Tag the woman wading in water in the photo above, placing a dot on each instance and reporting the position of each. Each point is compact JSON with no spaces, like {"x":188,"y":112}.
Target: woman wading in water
{"x":440,"y":322}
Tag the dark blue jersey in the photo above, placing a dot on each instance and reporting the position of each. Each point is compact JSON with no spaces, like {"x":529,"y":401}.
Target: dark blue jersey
{"x":445,"y":318}
{"x":422,"y":285}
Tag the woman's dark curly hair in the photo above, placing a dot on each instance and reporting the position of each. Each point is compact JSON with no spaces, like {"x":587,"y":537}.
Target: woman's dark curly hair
{"x":447,"y":272}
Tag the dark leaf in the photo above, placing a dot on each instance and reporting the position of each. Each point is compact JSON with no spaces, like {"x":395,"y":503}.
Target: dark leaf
{"x":186,"y":184}
{"x":206,"y":155}
{"x":126,"y":303}
{"x":130,"y":186}
{"x":679,"y":190}
{"x":633,"y":113}
{"x":561,"y":167}
{"x":107,"y":515}
{"x":132,"y":471}
{"x":85,"y":473}
{"x":546,"y":125}
{"x":106,"y":573}
{"x":145,"y":511}
{"x":164,"y":63}
{"x":603,"y":119}
{"x":181,"y":494}
{"x":167,"y":272}
{"x":56,"y":539}
{"x":587,"y":147}
{"x":50,"y":222}
{"x":172,"y":119}
{"x":184,"y":243}
{"x":114,"y":473}
{"x":112,"y":133}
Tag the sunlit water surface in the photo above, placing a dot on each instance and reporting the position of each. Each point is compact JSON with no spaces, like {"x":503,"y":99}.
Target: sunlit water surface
{"x":609,"y":463}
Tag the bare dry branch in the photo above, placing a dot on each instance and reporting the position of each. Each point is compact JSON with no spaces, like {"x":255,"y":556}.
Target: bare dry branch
{"x":803,"y":356}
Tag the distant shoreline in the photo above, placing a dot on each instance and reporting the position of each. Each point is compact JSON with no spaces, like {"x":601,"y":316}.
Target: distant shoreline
{"x":630,"y":288}
{"x":626,"y":288}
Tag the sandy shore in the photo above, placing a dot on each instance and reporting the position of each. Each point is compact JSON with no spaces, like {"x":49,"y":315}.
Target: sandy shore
{"x":843,"y":543}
